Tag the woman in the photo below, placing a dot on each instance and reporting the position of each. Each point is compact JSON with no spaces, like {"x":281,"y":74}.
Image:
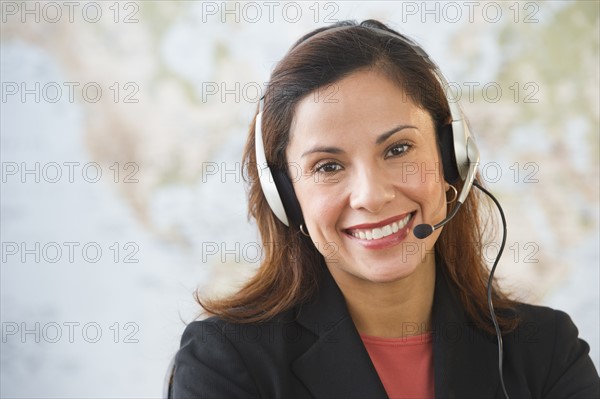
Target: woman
{"x":348,"y":302}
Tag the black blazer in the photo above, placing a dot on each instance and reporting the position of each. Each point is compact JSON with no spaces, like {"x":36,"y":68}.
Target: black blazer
{"x":315,"y":351}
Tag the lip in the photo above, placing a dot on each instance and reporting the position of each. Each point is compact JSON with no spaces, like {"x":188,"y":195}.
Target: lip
{"x":384,"y":242}
{"x":378,"y":224}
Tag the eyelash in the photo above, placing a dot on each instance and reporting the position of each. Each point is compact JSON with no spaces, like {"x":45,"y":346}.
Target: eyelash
{"x":319,"y":167}
{"x":394,"y":146}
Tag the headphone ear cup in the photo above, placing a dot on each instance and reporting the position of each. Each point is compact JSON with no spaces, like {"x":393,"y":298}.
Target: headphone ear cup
{"x":446,"y":138}
{"x":288,"y":197}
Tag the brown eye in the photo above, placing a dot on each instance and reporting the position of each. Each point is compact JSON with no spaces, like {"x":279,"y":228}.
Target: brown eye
{"x":328,"y":167}
{"x":397,"y":149}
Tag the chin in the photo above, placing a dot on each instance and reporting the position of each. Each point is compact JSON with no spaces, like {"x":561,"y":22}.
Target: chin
{"x":389,"y":274}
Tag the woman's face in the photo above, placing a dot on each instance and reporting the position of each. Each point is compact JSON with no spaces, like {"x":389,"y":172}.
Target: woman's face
{"x":365,"y":166}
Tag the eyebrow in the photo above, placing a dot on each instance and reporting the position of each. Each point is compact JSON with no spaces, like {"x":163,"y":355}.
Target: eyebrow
{"x":380,"y":139}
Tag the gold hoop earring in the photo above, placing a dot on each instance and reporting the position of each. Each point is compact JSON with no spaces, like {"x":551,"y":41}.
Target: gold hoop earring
{"x":454,"y":195}
{"x":302,"y":228}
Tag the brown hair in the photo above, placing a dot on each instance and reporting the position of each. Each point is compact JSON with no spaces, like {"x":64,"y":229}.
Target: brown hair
{"x":289,"y":273}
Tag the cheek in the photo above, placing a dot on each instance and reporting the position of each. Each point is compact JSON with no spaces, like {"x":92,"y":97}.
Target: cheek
{"x":321,"y":206}
{"x":426,"y":187}
{"x":415,"y":172}
{"x":422,"y":181}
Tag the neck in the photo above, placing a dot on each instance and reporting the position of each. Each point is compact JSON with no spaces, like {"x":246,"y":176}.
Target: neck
{"x":398,"y":308}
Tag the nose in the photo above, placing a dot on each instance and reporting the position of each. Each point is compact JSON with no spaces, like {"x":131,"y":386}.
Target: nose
{"x":371,"y":190}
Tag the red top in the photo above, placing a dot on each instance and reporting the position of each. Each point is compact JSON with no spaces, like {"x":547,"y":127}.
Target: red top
{"x":404,"y":365}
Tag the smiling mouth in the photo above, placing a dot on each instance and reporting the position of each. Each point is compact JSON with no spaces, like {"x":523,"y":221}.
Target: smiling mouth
{"x":383,"y":231}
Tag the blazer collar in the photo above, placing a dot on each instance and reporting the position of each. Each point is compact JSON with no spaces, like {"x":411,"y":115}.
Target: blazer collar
{"x":465,"y":358}
{"x":338,"y":365}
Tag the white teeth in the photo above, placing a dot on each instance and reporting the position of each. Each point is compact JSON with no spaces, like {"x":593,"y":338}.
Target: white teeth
{"x":380,"y":232}
{"x":387,"y":230}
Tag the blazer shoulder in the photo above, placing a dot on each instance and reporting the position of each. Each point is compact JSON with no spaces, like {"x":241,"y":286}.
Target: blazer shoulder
{"x":546,"y":344}
{"x":539,"y":313}
{"x":220,"y":358}
{"x":209,"y":365}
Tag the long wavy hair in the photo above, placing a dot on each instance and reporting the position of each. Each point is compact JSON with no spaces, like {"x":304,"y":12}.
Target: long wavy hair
{"x":289,"y":273}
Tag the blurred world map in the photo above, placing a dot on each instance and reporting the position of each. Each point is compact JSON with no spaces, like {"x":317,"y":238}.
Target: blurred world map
{"x":157,"y":96}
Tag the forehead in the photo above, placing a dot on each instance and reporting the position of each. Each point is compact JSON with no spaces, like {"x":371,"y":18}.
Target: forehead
{"x":365,"y":101}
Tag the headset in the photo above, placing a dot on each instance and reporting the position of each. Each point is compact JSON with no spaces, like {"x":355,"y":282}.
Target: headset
{"x":460,"y":160}
{"x":460,"y":155}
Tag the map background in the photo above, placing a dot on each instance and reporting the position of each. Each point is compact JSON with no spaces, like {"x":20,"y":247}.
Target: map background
{"x":177,"y":134}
